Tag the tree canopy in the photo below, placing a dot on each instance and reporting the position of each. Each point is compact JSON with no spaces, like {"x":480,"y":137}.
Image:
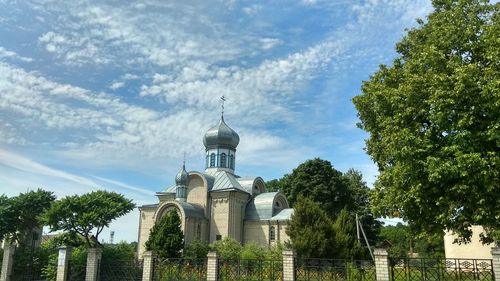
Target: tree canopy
{"x":434,"y":122}
{"x":166,"y":238}
{"x":88,"y":214}
{"x":20,"y":215}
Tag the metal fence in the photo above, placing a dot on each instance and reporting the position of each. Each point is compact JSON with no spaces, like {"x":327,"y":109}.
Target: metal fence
{"x":250,"y":269}
{"x":420,"y":269}
{"x":76,"y":271}
{"x":334,"y":269}
{"x":121,"y":271}
{"x":180,"y":270}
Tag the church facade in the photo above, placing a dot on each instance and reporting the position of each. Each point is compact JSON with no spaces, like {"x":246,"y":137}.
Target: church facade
{"x":217,"y":203}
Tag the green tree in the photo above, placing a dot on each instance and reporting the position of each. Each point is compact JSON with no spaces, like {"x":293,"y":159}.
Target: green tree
{"x":166,"y":238}
{"x":88,"y":214}
{"x":227,"y":248}
{"x":196,"y":250}
{"x":317,"y":180}
{"x":399,"y":238}
{"x":347,"y":244}
{"x":310,"y":230}
{"x":434,"y":122}
{"x":20,"y":215}
{"x":252,"y":251}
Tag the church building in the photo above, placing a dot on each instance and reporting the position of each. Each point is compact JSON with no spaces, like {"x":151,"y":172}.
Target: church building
{"x":217,"y":203}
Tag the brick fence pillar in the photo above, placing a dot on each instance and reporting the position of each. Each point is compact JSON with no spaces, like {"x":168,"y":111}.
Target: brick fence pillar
{"x":495,"y":254}
{"x":148,"y":266}
{"x":381,"y":264}
{"x":93,"y":264}
{"x":289,"y":265}
{"x":63,"y":262}
{"x":8,"y":261}
{"x":212,"y":266}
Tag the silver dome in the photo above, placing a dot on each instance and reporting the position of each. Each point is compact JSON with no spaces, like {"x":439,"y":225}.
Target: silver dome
{"x":182,"y":178}
{"x":221,"y":135}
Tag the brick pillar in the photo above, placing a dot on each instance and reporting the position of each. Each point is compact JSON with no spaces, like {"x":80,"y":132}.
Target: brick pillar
{"x":289,"y":265}
{"x":93,"y":264}
{"x":495,"y":254}
{"x":8,"y":261}
{"x":148,"y":266}
{"x":212,"y":266}
{"x":63,"y":262}
{"x":381,"y":264}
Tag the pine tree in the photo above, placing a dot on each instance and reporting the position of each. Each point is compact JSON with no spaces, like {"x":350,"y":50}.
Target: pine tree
{"x":166,"y":238}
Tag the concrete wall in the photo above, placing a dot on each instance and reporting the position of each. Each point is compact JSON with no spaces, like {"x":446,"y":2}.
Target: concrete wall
{"x":473,"y":250}
{"x":146,"y":222}
{"x":197,"y":192}
{"x":259,"y":232}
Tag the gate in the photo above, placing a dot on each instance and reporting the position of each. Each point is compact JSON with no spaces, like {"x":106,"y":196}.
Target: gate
{"x":250,"y":269}
{"x":334,"y":269}
{"x":120,"y":270}
{"x":420,"y":269}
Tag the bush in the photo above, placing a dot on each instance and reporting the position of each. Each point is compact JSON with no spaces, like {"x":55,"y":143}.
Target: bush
{"x":227,"y":248}
{"x":196,"y":250}
{"x":252,"y":251}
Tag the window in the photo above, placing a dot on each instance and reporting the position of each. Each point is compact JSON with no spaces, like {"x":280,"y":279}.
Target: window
{"x":218,"y":237}
{"x":231,"y":161}
{"x":212,"y":160}
{"x":223,"y":160}
{"x":272,"y":233}
{"x":198,"y":232}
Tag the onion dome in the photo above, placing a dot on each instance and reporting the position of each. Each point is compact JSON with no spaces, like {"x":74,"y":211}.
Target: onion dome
{"x":221,"y":136}
{"x":182,"y":178}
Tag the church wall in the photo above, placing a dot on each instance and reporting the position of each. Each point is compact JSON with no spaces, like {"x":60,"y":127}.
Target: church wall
{"x":259,"y":232}
{"x":197,"y":193}
{"x":146,"y":223}
{"x":220,"y":215}
{"x":237,"y":206}
{"x":473,"y":250}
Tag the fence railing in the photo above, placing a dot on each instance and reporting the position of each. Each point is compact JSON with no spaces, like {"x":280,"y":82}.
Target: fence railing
{"x":121,"y":270}
{"x":180,"y":269}
{"x":334,"y":269}
{"x":250,"y":269}
{"x":420,"y":269}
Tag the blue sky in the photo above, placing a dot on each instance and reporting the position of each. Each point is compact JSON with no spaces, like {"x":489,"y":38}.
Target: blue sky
{"x":111,"y":94}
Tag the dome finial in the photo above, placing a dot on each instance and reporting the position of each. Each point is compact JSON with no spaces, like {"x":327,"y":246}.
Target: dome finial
{"x":223,"y":99}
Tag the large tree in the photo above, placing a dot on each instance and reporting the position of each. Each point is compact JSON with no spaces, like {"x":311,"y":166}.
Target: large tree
{"x":166,"y":238}
{"x":434,"y":122}
{"x":20,"y":215}
{"x":88,"y":214}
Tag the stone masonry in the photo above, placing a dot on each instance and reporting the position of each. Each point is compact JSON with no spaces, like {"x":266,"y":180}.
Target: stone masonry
{"x":381,"y":264}
{"x":8,"y":261}
{"x":62,"y":263}
{"x":148,"y":266}
{"x":93,"y":264}
{"x":288,"y":265}
{"x":212,"y":266}
{"x":495,"y":253}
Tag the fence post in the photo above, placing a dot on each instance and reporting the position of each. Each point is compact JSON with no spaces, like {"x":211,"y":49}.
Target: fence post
{"x":212,"y":266}
{"x":381,"y":264}
{"x":63,"y":262}
{"x":93,"y":264}
{"x":148,"y":266}
{"x":289,"y":265}
{"x":495,"y":254}
{"x":8,"y":261}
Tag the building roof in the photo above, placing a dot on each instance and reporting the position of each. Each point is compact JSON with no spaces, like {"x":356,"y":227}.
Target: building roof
{"x":224,"y":180}
{"x":261,"y":207}
{"x":283,"y":215}
{"x":247,"y":183}
{"x":191,"y":211}
{"x":221,"y":135}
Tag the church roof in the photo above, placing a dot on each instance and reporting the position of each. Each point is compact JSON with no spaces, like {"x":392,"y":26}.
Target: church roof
{"x":247,"y":183}
{"x":261,"y":207}
{"x":221,"y":135}
{"x":191,"y":211}
{"x":283,"y":215}
{"x":224,"y":180}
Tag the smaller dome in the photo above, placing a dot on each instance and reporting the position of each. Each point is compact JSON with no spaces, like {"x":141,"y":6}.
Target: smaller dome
{"x":182,"y":177}
{"x":221,"y":135}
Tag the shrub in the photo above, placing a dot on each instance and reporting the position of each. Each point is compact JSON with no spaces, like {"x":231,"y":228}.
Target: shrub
{"x":196,"y":250}
{"x":227,"y":248}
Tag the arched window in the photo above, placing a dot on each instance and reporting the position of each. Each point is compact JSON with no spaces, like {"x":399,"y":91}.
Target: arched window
{"x":198,"y":232}
{"x":231,"y":161}
{"x":272,"y":233}
{"x":212,"y":160}
{"x":223,"y":160}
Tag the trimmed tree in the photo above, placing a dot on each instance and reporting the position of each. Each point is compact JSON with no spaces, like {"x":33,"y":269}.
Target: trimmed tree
{"x":166,"y":238}
{"x":434,"y":122}
{"x":88,"y":214}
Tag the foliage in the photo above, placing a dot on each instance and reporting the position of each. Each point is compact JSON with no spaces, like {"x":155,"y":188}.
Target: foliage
{"x":196,"y":250}
{"x":348,"y":246}
{"x":403,"y":242}
{"x":122,"y":251}
{"x":166,"y":238}
{"x":434,"y":122}
{"x":310,"y":230}
{"x":227,"y":248}
{"x":274,"y":185}
{"x":88,"y":214}
{"x":20,"y":215}
{"x":252,"y":251}
{"x":275,"y":252}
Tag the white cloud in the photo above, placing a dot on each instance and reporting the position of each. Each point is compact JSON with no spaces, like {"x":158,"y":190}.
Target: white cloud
{"x":269,"y":43}
{"x":4,"y":53}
